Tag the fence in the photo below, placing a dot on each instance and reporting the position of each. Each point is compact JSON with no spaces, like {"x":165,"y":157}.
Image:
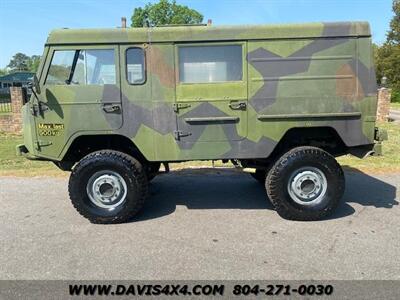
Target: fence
{"x":10,"y":110}
{"x":5,"y":100}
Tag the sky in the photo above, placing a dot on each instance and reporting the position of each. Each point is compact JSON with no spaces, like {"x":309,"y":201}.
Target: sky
{"x":25,"y":24}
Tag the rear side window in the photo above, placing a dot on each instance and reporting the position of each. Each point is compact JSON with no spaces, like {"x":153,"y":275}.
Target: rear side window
{"x":206,"y":64}
{"x":135,"y":72}
{"x":82,"y":67}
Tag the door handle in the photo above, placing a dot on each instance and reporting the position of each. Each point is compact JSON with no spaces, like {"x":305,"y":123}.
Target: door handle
{"x":110,"y":108}
{"x":238,"y":105}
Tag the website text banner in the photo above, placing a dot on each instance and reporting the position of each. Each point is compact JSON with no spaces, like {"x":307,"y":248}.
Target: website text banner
{"x":73,"y":289}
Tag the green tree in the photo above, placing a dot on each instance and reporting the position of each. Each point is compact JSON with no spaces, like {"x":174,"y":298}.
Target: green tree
{"x":3,"y":72}
{"x":393,"y":36}
{"x":387,"y":56}
{"x":388,"y":64}
{"x":19,"y":62}
{"x":163,"y":13}
{"x":23,"y":62}
{"x":33,"y":63}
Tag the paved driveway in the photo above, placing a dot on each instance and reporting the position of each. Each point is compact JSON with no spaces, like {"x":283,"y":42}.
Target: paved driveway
{"x":394,"y":115}
{"x":208,"y":224}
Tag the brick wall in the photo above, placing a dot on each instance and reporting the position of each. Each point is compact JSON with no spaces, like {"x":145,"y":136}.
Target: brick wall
{"x":12,"y":122}
{"x":384,"y":95}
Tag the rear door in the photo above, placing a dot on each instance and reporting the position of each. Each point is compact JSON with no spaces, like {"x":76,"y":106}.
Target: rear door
{"x":80,"y":91}
{"x":211,"y":92}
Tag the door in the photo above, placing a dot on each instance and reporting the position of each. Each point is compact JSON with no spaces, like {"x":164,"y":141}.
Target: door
{"x":136,"y":97}
{"x":80,"y":92}
{"x":211,"y":93}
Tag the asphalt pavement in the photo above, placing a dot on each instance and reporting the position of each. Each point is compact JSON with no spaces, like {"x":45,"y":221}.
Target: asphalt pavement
{"x":200,"y":224}
{"x":394,"y":115}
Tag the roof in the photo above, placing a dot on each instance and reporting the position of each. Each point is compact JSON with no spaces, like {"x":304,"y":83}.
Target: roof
{"x":207,"y":33}
{"x":17,"y":77}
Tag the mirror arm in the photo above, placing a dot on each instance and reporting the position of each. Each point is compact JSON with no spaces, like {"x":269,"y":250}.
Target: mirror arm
{"x":31,"y":87}
{"x":34,"y":93}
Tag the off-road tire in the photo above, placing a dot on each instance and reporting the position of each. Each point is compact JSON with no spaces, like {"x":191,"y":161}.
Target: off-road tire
{"x":276,"y":183}
{"x":127,"y":167}
{"x":259,"y":175}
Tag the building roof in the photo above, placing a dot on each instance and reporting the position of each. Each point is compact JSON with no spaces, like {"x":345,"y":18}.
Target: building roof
{"x":207,"y":33}
{"x":17,"y":77}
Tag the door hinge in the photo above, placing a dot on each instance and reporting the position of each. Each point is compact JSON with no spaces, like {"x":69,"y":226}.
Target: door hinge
{"x":38,"y":108}
{"x":178,"y":106}
{"x":39,"y":144}
{"x":178,"y":134}
{"x":34,"y":109}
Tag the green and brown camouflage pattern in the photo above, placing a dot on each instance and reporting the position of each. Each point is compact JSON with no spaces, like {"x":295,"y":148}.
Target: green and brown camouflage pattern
{"x":294,"y":76}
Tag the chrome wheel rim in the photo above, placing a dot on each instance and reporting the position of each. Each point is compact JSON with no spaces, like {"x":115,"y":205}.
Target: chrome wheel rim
{"x":106,"y":189}
{"x":307,"y":186}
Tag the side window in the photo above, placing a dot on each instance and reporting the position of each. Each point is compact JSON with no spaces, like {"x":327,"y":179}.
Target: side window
{"x":135,"y":72}
{"x":207,"y":64}
{"x":82,"y":67}
{"x":60,"y":68}
{"x":100,"y":67}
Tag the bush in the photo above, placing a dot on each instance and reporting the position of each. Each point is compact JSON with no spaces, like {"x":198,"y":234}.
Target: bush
{"x":395,"y":96}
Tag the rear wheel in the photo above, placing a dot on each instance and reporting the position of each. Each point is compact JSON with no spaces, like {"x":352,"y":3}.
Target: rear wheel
{"x":305,"y":184}
{"x":108,"y":187}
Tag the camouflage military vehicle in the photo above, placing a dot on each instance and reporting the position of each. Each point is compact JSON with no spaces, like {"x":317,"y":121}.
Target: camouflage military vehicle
{"x":111,"y":105}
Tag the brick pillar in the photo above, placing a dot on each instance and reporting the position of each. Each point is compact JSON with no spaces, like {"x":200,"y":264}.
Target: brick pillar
{"x":384,"y":95}
{"x":17,"y":100}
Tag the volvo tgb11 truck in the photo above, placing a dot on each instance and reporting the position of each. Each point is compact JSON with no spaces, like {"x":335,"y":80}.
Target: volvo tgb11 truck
{"x":111,"y":105}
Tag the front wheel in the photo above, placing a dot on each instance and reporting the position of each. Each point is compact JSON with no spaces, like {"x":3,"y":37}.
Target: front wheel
{"x":305,"y":184}
{"x":108,"y":187}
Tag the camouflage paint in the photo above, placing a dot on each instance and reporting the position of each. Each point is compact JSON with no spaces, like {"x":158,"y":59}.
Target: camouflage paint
{"x":306,"y":75}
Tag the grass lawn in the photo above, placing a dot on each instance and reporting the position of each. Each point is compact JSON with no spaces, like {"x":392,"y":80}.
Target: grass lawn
{"x":395,"y":105}
{"x":389,"y":162}
{"x":12,"y":165}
